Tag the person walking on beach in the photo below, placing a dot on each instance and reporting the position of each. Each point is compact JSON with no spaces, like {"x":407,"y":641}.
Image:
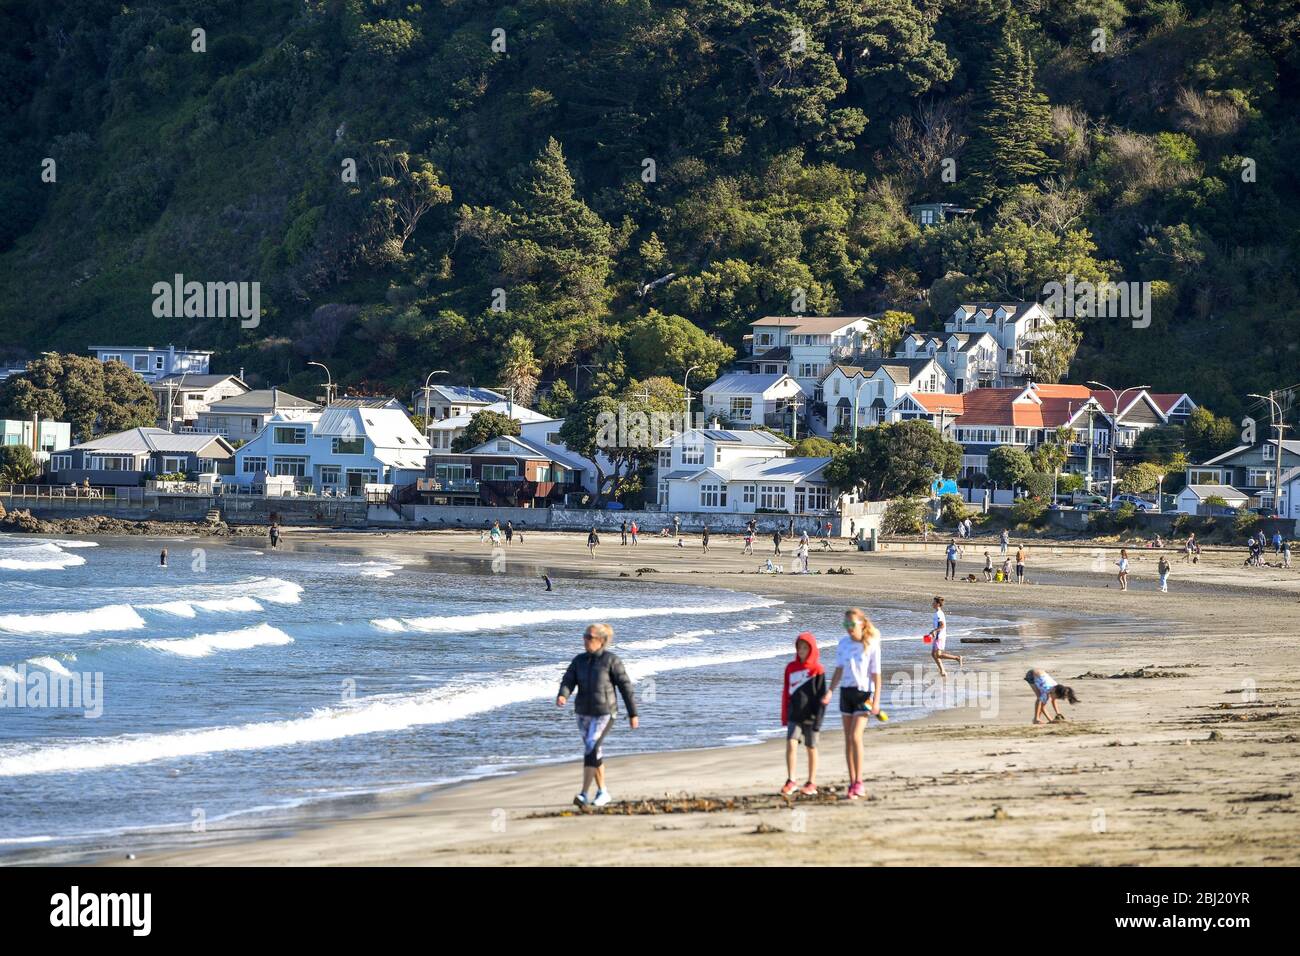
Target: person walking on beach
{"x":1286,"y":553}
{"x":939,"y":638}
{"x":677,"y":526}
{"x":1162,"y":568}
{"x":275,"y":535}
{"x":1047,"y":690}
{"x":1122,"y":564}
{"x":857,"y":668}
{"x":162,"y":558}
{"x":1020,"y":564}
{"x":495,"y":534}
{"x":635,"y":531}
{"x":776,"y":541}
{"x":988,"y":567}
{"x":1189,"y":548}
{"x":804,"y":697}
{"x":1006,"y":540}
{"x":749,"y":542}
{"x":510,"y":532}
{"x":592,"y":540}
{"x":801,"y":557}
{"x":950,"y":561}
{"x":704,"y":539}
{"x":1277,"y":542}
{"x":622,"y":530}
{"x":598,"y":676}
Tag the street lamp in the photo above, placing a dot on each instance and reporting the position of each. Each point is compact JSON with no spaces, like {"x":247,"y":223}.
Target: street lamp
{"x":1114,"y":431}
{"x":329,"y":382}
{"x":686,"y":388}
{"x":856,"y":390}
{"x":427,"y":431}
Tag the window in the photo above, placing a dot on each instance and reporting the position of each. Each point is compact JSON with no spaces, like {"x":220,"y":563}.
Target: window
{"x":112,"y":357}
{"x":330,"y":474}
{"x":764,"y":338}
{"x":771,"y":497}
{"x":290,"y":435}
{"x":819,"y":498}
{"x":747,"y":494}
{"x":252,"y":464}
{"x":446,"y":473}
{"x":503,"y":444}
{"x":665,"y":458}
{"x":140,"y":363}
{"x":927,"y":217}
{"x":500,"y":472}
{"x":742,"y":408}
{"x":60,"y":462}
{"x":1204,"y":477}
{"x":553,"y":438}
{"x":348,"y":446}
{"x":1022,"y":436}
{"x":1270,"y":452}
{"x":158,"y":362}
{"x":1258,"y":477}
{"x":295,"y":467}
{"x":835,"y":387}
{"x":173,"y":463}
{"x":713,"y":496}
{"x":543,"y":473}
{"x":663,"y":492}
{"x":111,"y":463}
{"x":693,"y":454}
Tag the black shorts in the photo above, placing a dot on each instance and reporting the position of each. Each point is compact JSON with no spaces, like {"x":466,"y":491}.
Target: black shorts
{"x":854,"y":701}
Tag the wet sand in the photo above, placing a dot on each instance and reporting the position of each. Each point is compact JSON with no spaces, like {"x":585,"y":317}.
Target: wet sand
{"x":1183,"y":751}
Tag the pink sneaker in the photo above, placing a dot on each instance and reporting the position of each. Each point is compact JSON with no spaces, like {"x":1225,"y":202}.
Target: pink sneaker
{"x":855,"y":791}
{"x":808,"y":790}
{"x":789,"y":788}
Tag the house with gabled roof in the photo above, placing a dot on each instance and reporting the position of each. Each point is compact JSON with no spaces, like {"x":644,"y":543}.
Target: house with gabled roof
{"x":242,"y":416}
{"x":507,"y":471}
{"x":748,"y":400}
{"x":1176,"y":407}
{"x":1251,"y":469}
{"x":450,"y":401}
{"x":1015,"y":326}
{"x":183,"y":397}
{"x":874,"y":387}
{"x":131,"y":457}
{"x":443,"y":431}
{"x":739,"y":471}
{"x":969,"y":358}
{"x":804,"y":346}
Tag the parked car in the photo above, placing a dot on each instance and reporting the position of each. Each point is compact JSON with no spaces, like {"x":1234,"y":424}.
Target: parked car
{"x":1141,"y":504}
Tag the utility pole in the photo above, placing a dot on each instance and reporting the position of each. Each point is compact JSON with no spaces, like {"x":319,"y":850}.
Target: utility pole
{"x":686,"y":388}
{"x":1088,"y":467}
{"x":1114,"y":429}
{"x":428,"y":434}
{"x":1275,"y":415}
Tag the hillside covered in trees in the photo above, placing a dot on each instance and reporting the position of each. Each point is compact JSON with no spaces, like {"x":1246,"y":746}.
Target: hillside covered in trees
{"x":570,"y":153}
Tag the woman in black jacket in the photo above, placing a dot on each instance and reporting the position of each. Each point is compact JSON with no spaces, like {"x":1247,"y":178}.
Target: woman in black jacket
{"x":598,"y":676}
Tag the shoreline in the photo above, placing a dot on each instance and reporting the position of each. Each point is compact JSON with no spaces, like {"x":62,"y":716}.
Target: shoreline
{"x":526,"y":817}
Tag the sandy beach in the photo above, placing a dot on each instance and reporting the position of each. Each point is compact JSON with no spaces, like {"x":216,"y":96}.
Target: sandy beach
{"x":1183,"y":750}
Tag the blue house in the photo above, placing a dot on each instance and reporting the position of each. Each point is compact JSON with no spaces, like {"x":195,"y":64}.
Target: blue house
{"x":133,"y":456}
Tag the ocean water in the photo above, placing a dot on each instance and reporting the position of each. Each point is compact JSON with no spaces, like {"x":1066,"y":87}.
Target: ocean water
{"x":241,"y":683}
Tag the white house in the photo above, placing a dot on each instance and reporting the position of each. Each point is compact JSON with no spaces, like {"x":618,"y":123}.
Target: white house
{"x":1191,"y":498}
{"x":747,"y":399}
{"x":1289,"y":505}
{"x":804,"y":347}
{"x":875,"y":388}
{"x":1015,"y":326}
{"x":443,"y":431}
{"x":353,"y":442}
{"x":243,"y":416}
{"x":738,"y":471}
{"x":182,"y":398}
{"x":152,"y":363}
{"x":970,"y":359}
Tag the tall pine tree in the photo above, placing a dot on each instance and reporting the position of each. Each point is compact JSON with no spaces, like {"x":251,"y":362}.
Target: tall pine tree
{"x":1013,"y":126}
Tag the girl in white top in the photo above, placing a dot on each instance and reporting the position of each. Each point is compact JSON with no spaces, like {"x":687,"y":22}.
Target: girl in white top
{"x":939,"y":638}
{"x":857,"y":669}
{"x":1122,"y":564}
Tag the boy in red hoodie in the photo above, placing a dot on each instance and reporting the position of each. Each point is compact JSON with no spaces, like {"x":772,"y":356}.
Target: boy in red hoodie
{"x":803,"y":704}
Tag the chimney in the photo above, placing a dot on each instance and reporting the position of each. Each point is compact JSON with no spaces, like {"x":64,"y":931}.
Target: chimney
{"x":36,"y":432}
{"x":275,"y":396}
{"x":715,"y":425}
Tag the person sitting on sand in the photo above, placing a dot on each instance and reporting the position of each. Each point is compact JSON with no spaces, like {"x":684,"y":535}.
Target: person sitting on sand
{"x":598,"y":676}
{"x":857,"y":665}
{"x":804,"y":697}
{"x":1047,"y":690}
{"x":939,"y":637}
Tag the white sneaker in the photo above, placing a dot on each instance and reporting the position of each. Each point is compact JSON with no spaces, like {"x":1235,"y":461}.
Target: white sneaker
{"x":602,"y":798}
{"x":580,"y":800}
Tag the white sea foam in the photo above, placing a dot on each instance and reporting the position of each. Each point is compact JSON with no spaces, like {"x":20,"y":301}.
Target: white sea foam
{"x":472,"y":695}
{"x":191,"y":608}
{"x":202,"y":645}
{"x":373,"y":569}
{"x":51,"y":665}
{"x":654,"y":644}
{"x":503,"y":620}
{"x":32,"y":556}
{"x":112,"y":617}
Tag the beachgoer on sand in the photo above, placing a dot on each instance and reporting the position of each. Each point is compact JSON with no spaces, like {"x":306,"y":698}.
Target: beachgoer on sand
{"x":704,"y":539}
{"x":857,"y":669}
{"x":1020,"y":564}
{"x":939,"y":637}
{"x":1162,"y":568}
{"x":1047,"y":691}
{"x":598,"y":676}
{"x":635,"y":531}
{"x":988,"y":567}
{"x":950,"y":561}
{"x":593,"y":539}
{"x":749,"y":542}
{"x":804,"y":696}
{"x":1122,"y":564}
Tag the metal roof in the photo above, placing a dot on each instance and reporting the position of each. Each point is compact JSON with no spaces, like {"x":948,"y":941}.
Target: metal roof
{"x":149,"y":440}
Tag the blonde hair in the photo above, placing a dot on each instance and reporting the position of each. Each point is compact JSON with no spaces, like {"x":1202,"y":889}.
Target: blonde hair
{"x":869,"y":630}
{"x":602,"y":631}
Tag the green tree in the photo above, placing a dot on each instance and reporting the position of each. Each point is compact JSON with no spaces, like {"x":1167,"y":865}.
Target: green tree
{"x":893,"y":460}
{"x":1054,"y":350}
{"x":519,"y":368}
{"x":1141,"y":478}
{"x":558,"y":400}
{"x":816,"y":447}
{"x":17,"y":466}
{"x":887,"y":331}
{"x":656,"y":344}
{"x":1207,"y":434}
{"x":1013,"y":125}
{"x":1009,"y":466}
{"x":93,"y":396}
{"x":484,"y":426}
{"x":403,"y":190}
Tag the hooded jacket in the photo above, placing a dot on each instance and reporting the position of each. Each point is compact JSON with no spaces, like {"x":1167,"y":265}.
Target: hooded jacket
{"x":804,"y":686}
{"x":596,"y":676}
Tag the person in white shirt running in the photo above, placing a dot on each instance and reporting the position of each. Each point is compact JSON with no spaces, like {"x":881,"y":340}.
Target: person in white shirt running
{"x":939,"y":638}
{"x":857,"y":669}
